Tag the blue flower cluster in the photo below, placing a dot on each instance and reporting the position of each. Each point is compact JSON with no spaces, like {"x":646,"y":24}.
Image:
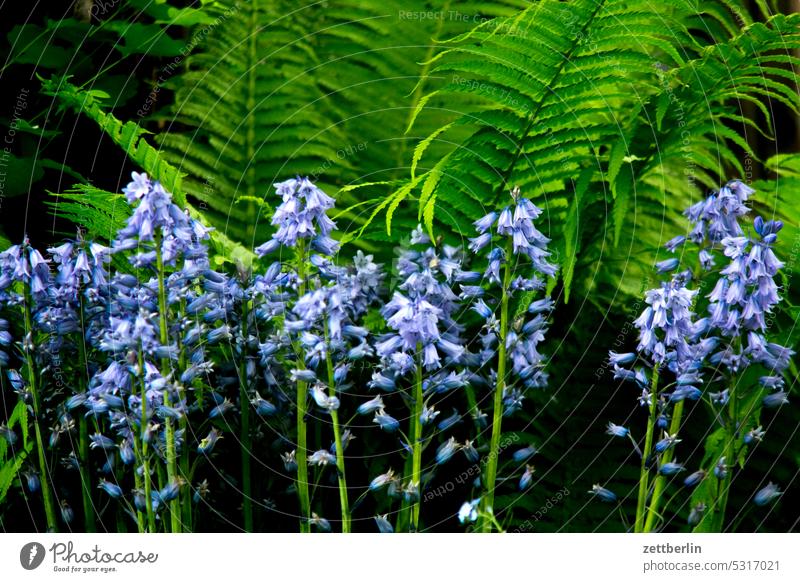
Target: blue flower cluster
{"x":148,"y":363}
{"x":707,"y":357}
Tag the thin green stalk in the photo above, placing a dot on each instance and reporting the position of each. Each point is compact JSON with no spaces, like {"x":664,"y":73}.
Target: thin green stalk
{"x":83,"y":438}
{"x":661,"y":480}
{"x":416,"y":443}
{"x":172,"y":464}
{"x":186,"y":493}
{"x":337,"y":435}
{"x":644,"y":473}
{"x":137,"y":481}
{"x":403,"y":515}
{"x":302,"y":451}
{"x":472,"y":402}
{"x":244,"y":404}
{"x":83,"y":468}
{"x":497,"y":407}
{"x":151,"y":518}
{"x":721,"y":503}
{"x":29,"y":348}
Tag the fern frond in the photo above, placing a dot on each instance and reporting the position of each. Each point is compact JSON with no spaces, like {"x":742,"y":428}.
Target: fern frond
{"x":587,"y":105}
{"x":130,"y":137}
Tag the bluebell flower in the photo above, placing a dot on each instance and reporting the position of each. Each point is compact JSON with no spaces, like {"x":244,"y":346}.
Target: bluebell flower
{"x":411,"y":492}
{"x":221,"y":409}
{"x":170,"y":491}
{"x":541,"y":306}
{"x":382,"y":382}
{"x":289,"y":461}
{"x":303,"y":215}
{"x":126,"y":452}
{"x":371,"y":406}
{"x":484,"y":224}
{"x":209,"y":442}
{"x":694,"y":478}
{"x":156,"y":215}
{"x":624,"y":374}
{"x":721,"y":469}
{"x":527,"y":478}
{"x":616,"y":430}
{"x":99,"y":441}
{"x":666,"y":323}
{"x":671,"y":468}
{"x":616,"y":359}
{"x":696,"y":514}
{"x":446,"y":450}
{"x":201,"y":491}
{"x":775,"y":399}
{"x":667,"y":265}
{"x":524,"y":454}
{"x":322,"y":399}
{"x":477,"y":243}
{"x":307,"y":376}
{"x":67,"y":514}
{"x":667,"y":442}
{"x":495,"y":260}
{"x":383,"y":524}
{"x":674,"y":243}
{"x":662,"y":421}
{"x":428,"y":415}
{"x":603,"y":494}
{"x":32,"y":481}
{"x":382,"y":480}
{"x":470,"y":452}
{"x":268,"y":247}
{"x":469,"y":511}
{"x":347,"y":438}
{"x":386,"y":422}
{"x":263,"y":407}
{"x":753,"y":435}
{"x":321,"y":458}
{"x":720,"y":398}
{"x":766,"y":494}
{"x":112,"y":489}
{"x":771,"y":382}
{"x":450,"y":421}
{"x":706,"y":260}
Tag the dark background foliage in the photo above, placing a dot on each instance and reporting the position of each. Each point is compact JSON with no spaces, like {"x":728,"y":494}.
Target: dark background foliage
{"x":238,"y":95}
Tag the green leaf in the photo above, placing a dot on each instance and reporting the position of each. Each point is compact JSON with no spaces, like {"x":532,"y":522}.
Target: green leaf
{"x":130,"y":137}
{"x":20,"y":174}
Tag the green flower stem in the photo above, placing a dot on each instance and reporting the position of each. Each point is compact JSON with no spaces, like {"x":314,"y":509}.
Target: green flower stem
{"x":187,"y":516}
{"x":151,"y":518}
{"x":403,"y":515}
{"x":644,"y":473}
{"x":416,"y":444}
{"x":137,"y":481}
{"x":472,"y":402}
{"x":29,"y":349}
{"x":301,"y":396}
{"x":83,"y":438}
{"x":731,"y":428}
{"x":661,"y":481}
{"x":337,"y":435}
{"x":172,"y":464}
{"x":487,"y":503}
{"x":83,"y":467}
{"x":244,"y":405}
